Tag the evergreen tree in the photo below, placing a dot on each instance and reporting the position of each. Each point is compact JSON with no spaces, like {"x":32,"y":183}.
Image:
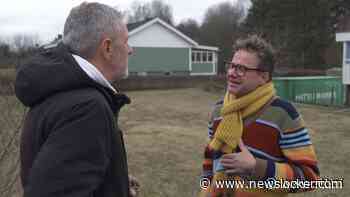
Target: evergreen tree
{"x":300,"y":30}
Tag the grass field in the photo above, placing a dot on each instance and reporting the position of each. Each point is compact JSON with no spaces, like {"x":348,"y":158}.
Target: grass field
{"x":7,"y":74}
{"x":165,"y":132}
{"x":11,"y":114}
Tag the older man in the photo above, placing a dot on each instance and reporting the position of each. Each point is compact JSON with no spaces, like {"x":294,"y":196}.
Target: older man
{"x":71,"y":144}
{"x":253,"y":134}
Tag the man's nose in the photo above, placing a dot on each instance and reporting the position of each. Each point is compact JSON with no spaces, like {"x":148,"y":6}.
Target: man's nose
{"x":231,"y":72}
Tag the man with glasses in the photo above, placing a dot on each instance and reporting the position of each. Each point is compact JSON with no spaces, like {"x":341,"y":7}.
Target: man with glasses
{"x":253,"y":134}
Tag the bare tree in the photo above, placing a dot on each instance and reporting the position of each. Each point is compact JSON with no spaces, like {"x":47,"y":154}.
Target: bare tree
{"x":23,"y":42}
{"x":221,"y":27}
{"x":163,"y":11}
{"x":139,"y":12}
{"x":157,"y":8}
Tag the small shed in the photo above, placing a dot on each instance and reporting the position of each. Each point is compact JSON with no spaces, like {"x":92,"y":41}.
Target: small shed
{"x":161,"y":49}
{"x":344,"y":37}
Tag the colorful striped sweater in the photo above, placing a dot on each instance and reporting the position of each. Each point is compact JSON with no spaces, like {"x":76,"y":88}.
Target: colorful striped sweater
{"x":278,"y":136}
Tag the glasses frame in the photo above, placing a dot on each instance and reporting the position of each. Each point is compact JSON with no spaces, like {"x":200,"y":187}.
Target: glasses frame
{"x":240,"y":69}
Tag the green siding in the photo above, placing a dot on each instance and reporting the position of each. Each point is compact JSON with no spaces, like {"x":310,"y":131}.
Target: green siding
{"x":202,"y":68}
{"x":147,"y":59}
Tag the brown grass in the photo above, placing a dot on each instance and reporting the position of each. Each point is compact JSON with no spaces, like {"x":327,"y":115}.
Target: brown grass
{"x":7,"y":78}
{"x":7,"y":73}
{"x":10,"y":120}
{"x":165,"y":132}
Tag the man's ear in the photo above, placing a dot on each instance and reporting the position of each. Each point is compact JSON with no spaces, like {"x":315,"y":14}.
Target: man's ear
{"x":106,"y":47}
{"x":266,"y":76}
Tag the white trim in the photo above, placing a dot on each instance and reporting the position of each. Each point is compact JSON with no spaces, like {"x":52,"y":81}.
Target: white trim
{"x":213,"y":62}
{"x":207,"y":48}
{"x":344,"y":56}
{"x":202,"y":74}
{"x":178,"y":32}
{"x":344,"y":62}
{"x":341,"y":37}
{"x":144,"y":26}
{"x":190,"y":59}
{"x":346,"y":69}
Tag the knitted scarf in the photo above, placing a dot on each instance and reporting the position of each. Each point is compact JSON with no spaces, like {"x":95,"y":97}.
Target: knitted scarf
{"x":230,"y":129}
{"x":234,"y":111}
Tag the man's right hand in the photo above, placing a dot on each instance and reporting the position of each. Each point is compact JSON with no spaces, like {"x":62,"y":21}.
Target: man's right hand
{"x":134,"y":186}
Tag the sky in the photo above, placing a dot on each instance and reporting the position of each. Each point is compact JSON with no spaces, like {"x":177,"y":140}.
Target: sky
{"x":45,"y":18}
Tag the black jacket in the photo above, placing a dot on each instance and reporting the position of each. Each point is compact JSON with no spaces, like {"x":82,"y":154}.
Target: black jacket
{"x":71,"y":145}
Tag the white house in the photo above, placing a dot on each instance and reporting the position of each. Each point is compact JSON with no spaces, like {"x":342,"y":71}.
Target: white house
{"x":162,"y":49}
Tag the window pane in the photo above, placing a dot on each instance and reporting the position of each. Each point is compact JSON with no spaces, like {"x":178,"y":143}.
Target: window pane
{"x":210,"y":57}
{"x":204,"y":56}
{"x":347,"y":50}
{"x":198,"y":57}
{"x":193,"y":56}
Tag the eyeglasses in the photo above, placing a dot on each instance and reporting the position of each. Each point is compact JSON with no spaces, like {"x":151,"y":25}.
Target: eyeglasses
{"x":240,"y":69}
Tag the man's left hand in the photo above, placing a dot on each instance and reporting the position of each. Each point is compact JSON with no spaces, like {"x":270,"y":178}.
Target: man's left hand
{"x":241,"y":164}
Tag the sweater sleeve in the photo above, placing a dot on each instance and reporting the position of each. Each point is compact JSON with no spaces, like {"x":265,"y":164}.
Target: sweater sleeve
{"x":73,"y":160}
{"x":207,"y":165}
{"x":300,"y":158}
{"x":208,"y":157}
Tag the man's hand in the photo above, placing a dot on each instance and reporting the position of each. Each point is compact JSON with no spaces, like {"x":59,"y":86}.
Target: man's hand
{"x":241,"y":164}
{"x":134,"y":186}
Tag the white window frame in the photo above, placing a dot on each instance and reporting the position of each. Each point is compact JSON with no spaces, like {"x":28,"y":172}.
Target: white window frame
{"x":201,"y":57}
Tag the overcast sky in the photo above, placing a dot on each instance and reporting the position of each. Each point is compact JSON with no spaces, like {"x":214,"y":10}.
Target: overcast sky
{"x":45,"y":18}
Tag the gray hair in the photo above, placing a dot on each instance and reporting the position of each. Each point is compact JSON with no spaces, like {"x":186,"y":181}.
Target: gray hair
{"x":87,"y":24}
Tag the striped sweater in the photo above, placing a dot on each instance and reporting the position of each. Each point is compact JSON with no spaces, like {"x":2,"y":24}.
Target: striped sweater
{"x":278,"y":136}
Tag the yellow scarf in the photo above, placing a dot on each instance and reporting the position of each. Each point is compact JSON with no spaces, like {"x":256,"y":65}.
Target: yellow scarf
{"x":234,"y":111}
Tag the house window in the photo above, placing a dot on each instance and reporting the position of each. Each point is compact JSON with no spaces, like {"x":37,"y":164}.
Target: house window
{"x":347,"y":55}
{"x":198,"y":56}
{"x":202,"y":56}
{"x":210,"y":57}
